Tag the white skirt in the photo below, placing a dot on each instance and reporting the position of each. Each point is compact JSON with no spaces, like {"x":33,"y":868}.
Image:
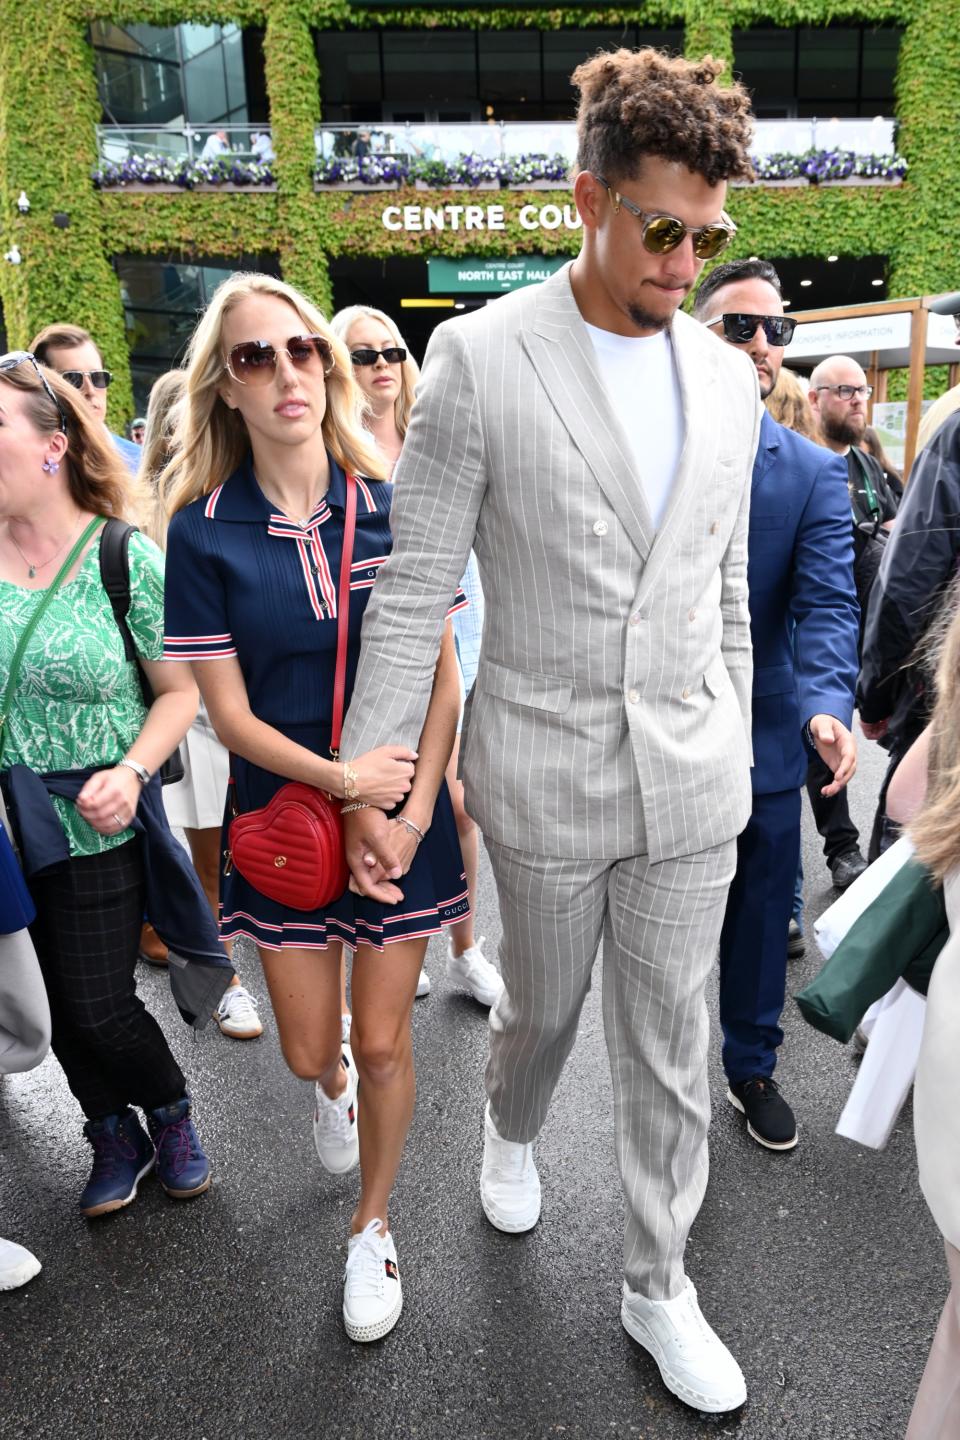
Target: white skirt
{"x":197,"y":801}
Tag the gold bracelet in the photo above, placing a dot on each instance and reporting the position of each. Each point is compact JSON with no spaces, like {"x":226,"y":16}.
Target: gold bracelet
{"x":414,"y":829}
{"x":351,"y":782}
{"x":356,"y":805}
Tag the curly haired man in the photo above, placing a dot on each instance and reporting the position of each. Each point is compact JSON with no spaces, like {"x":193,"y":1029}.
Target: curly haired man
{"x":595,"y":446}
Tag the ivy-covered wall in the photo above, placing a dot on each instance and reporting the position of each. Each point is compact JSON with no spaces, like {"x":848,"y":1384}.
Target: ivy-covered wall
{"x":49,"y":110}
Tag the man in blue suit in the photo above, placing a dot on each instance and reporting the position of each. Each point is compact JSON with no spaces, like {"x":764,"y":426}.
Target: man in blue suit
{"x":804,"y":623}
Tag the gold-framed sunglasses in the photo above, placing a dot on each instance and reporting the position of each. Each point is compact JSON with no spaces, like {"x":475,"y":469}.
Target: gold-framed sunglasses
{"x":662,"y":232}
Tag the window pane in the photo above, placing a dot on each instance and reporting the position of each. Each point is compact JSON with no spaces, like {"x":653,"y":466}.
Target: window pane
{"x":880,"y":51}
{"x":829,"y":63}
{"x":563,"y":50}
{"x":197,"y":38}
{"x":205,"y":87}
{"x":763,"y":58}
{"x":435,"y":65}
{"x":236,"y":79}
{"x":349,"y":67}
{"x":134,"y":91}
{"x":159,"y":43}
{"x":509,"y":65}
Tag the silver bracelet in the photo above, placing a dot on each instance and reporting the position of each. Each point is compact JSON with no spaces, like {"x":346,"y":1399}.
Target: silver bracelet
{"x":414,"y":829}
{"x":141,"y":771}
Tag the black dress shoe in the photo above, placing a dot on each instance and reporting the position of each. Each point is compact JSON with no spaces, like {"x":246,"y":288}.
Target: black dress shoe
{"x":796,"y":945}
{"x":846,"y":868}
{"x":769,"y":1118}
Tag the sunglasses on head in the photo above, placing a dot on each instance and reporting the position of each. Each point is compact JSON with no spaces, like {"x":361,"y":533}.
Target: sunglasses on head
{"x":393,"y":354}
{"x":661,"y":233}
{"x":99,"y":379}
{"x":24,"y":357}
{"x":254,"y":362}
{"x":740,"y":329}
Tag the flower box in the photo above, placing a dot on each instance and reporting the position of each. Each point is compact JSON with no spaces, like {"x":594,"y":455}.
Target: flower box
{"x":357,"y":186}
{"x":771,"y":184}
{"x":457,"y":185}
{"x":138,"y":187}
{"x":539,"y":185}
{"x":864,"y":180}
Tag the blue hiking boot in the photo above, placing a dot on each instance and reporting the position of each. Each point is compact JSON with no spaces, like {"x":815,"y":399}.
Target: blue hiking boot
{"x":182,"y":1167}
{"x":122,"y":1155}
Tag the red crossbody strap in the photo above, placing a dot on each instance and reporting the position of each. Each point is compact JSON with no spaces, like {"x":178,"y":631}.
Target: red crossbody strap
{"x":343,"y":615}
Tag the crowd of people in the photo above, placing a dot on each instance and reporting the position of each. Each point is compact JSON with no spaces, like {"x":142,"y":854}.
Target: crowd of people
{"x":605,"y":583}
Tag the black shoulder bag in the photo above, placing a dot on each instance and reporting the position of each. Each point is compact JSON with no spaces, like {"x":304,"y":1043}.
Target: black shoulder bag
{"x":115,"y":574}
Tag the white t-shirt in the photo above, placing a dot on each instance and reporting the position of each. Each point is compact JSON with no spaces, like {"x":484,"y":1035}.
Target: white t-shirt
{"x":639,"y":374}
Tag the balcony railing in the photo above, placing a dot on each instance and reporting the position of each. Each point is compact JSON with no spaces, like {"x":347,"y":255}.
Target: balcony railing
{"x":118,"y":143}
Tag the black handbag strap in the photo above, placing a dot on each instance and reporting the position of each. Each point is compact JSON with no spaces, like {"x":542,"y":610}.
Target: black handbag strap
{"x":115,"y":576}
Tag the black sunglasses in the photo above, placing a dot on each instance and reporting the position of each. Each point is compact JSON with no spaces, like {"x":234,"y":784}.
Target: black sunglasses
{"x":740,"y":329}
{"x":254,"y":362}
{"x":661,"y":233}
{"x":393,"y":354}
{"x":99,"y":379}
{"x":24,"y":357}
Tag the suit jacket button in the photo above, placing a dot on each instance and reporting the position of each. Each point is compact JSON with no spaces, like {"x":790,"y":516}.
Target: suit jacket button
{"x":715,"y":528}
{"x":635,"y":618}
{"x":633,"y":696}
{"x":685,"y":695}
{"x":600,"y":527}
{"x":692,"y":615}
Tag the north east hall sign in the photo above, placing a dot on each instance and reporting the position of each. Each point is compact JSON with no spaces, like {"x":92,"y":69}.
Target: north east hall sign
{"x":478,"y":217}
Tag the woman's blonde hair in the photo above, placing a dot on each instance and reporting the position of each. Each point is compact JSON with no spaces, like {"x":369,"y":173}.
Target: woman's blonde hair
{"x":165,"y":395}
{"x":210,"y":439}
{"x":936,"y":829}
{"x":788,"y":404}
{"x":97,"y":479}
{"x":344,"y":321}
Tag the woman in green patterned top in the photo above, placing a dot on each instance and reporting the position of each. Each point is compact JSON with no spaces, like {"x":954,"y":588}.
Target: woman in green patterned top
{"x":76,"y":705}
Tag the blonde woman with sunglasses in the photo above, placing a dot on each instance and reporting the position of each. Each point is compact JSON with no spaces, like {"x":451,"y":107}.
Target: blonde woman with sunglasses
{"x":387,"y":374}
{"x":269,"y":436}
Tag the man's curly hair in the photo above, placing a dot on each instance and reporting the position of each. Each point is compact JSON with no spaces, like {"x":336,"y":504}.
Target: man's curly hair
{"x":643,"y":102}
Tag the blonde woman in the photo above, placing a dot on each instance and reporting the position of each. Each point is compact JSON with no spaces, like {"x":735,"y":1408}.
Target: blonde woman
{"x":268,"y":432}
{"x":195,"y":803}
{"x":933,"y":765}
{"x":789,"y":406}
{"x":387,"y":374}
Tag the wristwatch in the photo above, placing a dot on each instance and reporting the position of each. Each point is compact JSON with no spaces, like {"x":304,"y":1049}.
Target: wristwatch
{"x":141,"y":771}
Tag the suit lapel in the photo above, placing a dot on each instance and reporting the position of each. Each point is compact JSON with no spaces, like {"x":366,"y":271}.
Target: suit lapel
{"x":767,"y":448}
{"x":695,"y":369}
{"x":560,"y":351}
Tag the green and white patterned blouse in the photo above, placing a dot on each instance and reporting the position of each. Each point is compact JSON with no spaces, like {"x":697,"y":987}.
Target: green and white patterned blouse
{"x":78,"y":701}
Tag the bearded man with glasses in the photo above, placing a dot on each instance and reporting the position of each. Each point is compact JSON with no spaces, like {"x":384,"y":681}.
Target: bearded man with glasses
{"x":595,"y":447}
{"x":71,"y":351}
{"x":804,"y":621}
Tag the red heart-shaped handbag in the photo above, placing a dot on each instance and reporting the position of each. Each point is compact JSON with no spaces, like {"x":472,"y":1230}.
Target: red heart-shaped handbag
{"x":291,"y":850}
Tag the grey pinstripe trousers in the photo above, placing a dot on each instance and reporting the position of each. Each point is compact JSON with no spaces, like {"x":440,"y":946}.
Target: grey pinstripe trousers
{"x":660,"y":927}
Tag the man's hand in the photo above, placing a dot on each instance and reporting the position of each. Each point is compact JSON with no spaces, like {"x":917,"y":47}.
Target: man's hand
{"x":874,"y":729}
{"x":370,"y":845}
{"x":836,"y":748}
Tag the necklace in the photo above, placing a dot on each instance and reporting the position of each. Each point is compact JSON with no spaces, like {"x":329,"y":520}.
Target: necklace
{"x":31,"y":567}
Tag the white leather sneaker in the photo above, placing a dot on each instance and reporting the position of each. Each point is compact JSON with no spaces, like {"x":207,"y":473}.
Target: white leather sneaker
{"x":237,"y":1014}
{"x":423,"y":985}
{"x":17,"y":1265}
{"x":509,"y":1183}
{"x":335,"y":1122}
{"x":474,"y":972}
{"x":693,"y":1361}
{"x":372,"y":1294}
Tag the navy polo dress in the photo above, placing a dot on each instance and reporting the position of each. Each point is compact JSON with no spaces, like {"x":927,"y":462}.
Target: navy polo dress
{"x":245,"y":581}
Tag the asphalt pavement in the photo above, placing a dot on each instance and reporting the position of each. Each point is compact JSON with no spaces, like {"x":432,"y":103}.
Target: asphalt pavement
{"x":219,"y":1319}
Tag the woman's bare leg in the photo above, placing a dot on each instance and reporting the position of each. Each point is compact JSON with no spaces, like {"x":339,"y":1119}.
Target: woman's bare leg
{"x":304,"y":988}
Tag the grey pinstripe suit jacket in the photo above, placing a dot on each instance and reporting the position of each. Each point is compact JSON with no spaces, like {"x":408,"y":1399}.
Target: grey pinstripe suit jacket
{"x":611,"y":712}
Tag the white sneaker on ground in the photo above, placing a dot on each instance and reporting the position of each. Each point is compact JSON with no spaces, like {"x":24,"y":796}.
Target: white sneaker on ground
{"x":475,"y":973}
{"x":346,"y":1020}
{"x":693,"y":1361}
{"x":17,"y":1265}
{"x":335,"y":1123}
{"x":423,"y":985}
{"x":509,"y":1183}
{"x":237,"y":1014}
{"x":372,"y":1294}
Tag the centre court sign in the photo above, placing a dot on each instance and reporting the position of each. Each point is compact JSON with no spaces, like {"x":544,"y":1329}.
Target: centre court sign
{"x":413,"y":218}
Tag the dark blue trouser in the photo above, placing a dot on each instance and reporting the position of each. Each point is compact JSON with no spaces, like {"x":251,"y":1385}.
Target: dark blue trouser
{"x":753,"y":941}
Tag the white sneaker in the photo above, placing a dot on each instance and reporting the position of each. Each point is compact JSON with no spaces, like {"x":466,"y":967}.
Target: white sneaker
{"x":346,"y":1020}
{"x":237,"y":1014}
{"x":372,"y":1294}
{"x":474,"y":972}
{"x":509,"y":1183}
{"x":335,"y":1123}
{"x":17,"y":1265}
{"x":693,"y":1361}
{"x":423,"y":985}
